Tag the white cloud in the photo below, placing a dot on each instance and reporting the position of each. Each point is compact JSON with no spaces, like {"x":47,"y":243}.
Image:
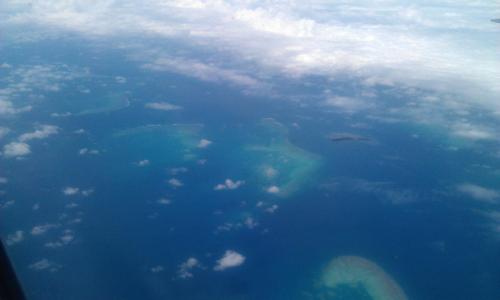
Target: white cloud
{"x":44,"y":264}
{"x":174,"y":182}
{"x":270,"y":172}
{"x":3,"y":180}
{"x":120,"y":79}
{"x":162,"y":106}
{"x":87,"y":192}
{"x":204,"y":143}
{"x":66,"y":238}
{"x":273,"y":189}
{"x":230,"y":259}
{"x":41,"y":229}
{"x":157,"y":269}
{"x":16,"y":149}
{"x":61,"y":115}
{"x":7,"y":108}
{"x":143,"y":163}
{"x":7,"y":204}
{"x":229,"y":185}
{"x":272,"y":209}
{"x":73,"y":191}
{"x":479,"y":193}
{"x":70,"y":191}
{"x":473,"y":132}
{"x":15,"y":238}
{"x":87,"y":151}
{"x":250,"y":223}
{"x":4,"y":131}
{"x":164,"y":201}
{"x":79,"y":131}
{"x":186,"y":268}
{"x":41,"y":132}
{"x":348,"y":104}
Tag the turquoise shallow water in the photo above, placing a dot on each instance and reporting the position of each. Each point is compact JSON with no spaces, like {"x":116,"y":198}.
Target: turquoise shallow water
{"x":391,"y":200}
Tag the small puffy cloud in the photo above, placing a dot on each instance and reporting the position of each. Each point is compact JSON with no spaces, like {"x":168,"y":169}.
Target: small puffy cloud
{"x":70,"y":191}
{"x":86,"y":151}
{"x":87,"y":192}
{"x":4,"y":131}
{"x":175,"y":171}
{"x":7,"y":108}
{"x":66,"y":238}
{"x":270,"y":172}
{"x":73,"y":191}
{"x":164,"y":201}
{"x":7,"y":204}
{"x":41,"y":132}
{"x":120,"y":79}
{"x":271,"y":209}
{"x":273,"y":189}
{"x":143,"y":163}
{"x":204,"y":143}
{"x":16,"y":149}
{"x":41,"y":229}
{"x":3,"y":180}
{"x":230,"y":259}
{"x":44,"y":264}
{"x":157,"y":269}
{"x":165,"y":106}
{"x":250,"y":223}
{"x":79,"y":131}
{"x":479,"y":193}
{"x":229,"y":185}
{"x":15,"y":238}
{"x":472,"y":132}
{"x":347,"y":103}
{"x":186,"y":268}
{"x":61,"y":115}
{"x":174,"y":182}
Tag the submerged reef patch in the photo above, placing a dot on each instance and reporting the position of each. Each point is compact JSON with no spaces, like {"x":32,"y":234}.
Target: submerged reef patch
{"x":360,"y":273}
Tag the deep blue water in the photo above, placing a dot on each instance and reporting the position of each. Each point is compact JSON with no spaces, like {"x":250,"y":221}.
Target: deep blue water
{"x":391,"y":200}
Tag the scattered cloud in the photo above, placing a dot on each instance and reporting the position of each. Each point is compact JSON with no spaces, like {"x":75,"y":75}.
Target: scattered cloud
{"x":348,"y":104}
{"x":479,"y":193}
{"x":16,"y":149}
{"x":157,"y":269}
{"x":3,"y":180}
{"x":272,"y":209}
{"x":186,"y":268}
{"x":15,"y":238}
{"x":164,"y":201}
{"x":162,"y":106}
{"x":7,"y":108}
{"x":229,"y":185}
{"x":71,"y":191}
{"x":204,"y":143}
{"x":273,"y":189}
{"x":79,"y":131}
{"x":61,"y":115}
{"x":120,"y":79}
{"x":41,"y":132}
{"x":45,"y":264}
{"x":174,"y":182}
{"x":143,"y":163}
{"x":230,"y":259}
{"x":250,"y":223}
{"x":4,"y":131}
{"x":41,"y":229}
{"x":66,"y":238}
{"x":473,"y":132}
{"x":87,"y":151}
